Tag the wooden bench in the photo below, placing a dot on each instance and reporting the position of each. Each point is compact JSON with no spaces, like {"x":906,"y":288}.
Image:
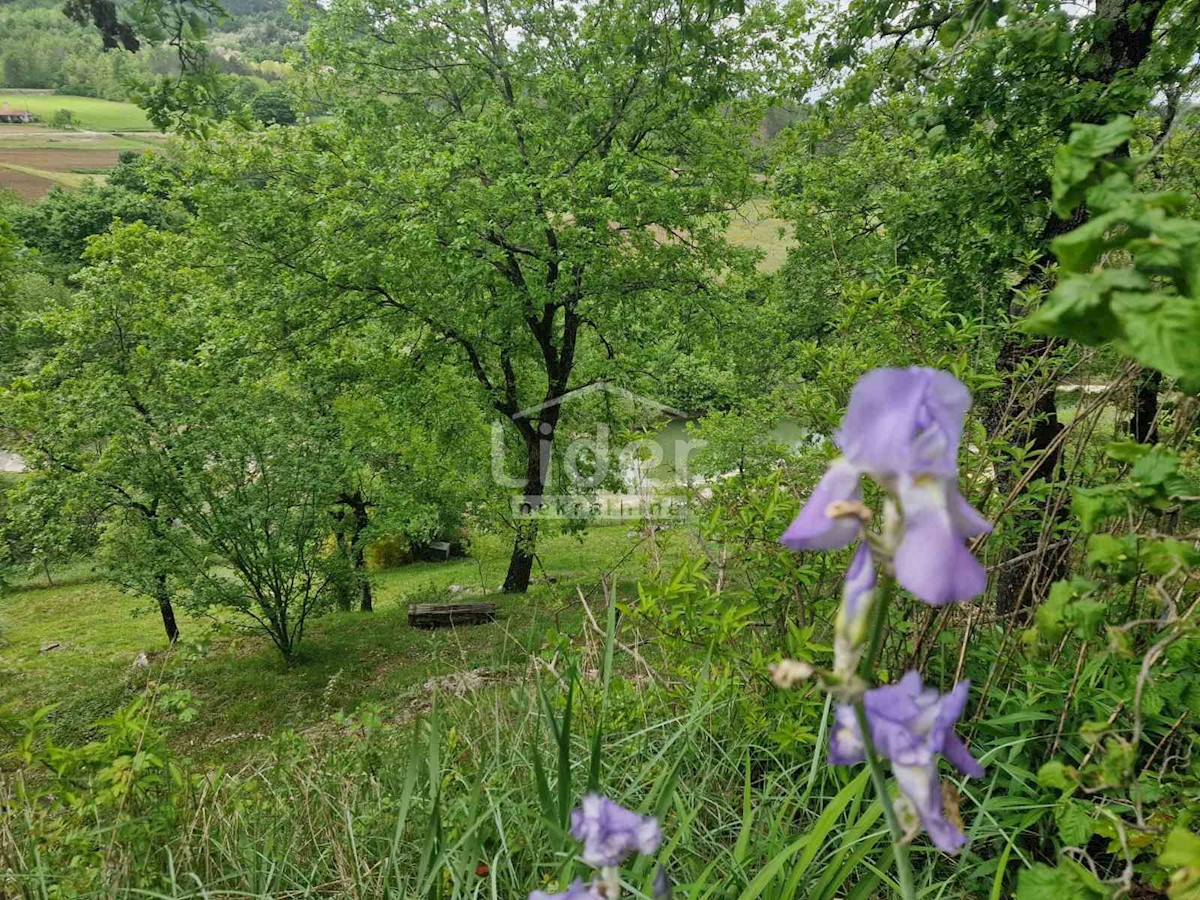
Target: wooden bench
{"x":445,"y":615}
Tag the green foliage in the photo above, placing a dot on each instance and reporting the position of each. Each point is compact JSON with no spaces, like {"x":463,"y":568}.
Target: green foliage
{"x":1182,"y":855}
{"x":1067,"y":881}
{"x":9,"y":313}
{"x":60,"y":226}
{"x":273,"y":108}
{"x":1150,"y":308}
{"x":63,"y":118}
{"x":140,"y":51}
{"x":505,"y":259}
{"x":282,"y":346}
{"x":125,"y":784}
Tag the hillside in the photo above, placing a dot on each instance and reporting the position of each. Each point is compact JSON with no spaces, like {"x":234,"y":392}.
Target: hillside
{"x":43,"y":49}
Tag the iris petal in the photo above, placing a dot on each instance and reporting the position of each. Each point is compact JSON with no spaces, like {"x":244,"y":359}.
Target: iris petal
{"x":905,"y":421}
{"x":845,"y":740}
{"x":813,"y":528}
{"x":610,"y":833}
{"x":932,"y":560}
{"x":921,"y":786}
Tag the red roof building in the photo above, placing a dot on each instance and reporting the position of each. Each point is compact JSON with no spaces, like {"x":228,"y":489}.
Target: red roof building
{"x":15,"y":116}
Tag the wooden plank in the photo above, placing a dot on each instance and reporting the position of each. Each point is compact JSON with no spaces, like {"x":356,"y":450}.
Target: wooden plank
{"x":444,"y":615}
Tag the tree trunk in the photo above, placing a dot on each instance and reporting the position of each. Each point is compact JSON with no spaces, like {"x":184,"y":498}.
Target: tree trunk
{"x":537,"y":461}
{"x":352,"y":521}
{"x":520,"y":564}
{"x":343,"y":592}
{"x":1143,"y":422}
{"x":1022,"y":579}
{"x":360,"y":520}
{"x":163,"y":596}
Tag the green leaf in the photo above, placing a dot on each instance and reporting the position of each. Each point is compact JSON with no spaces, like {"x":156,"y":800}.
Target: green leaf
{"x":1074,"y":820}
{"x":1078,"y":250}
{"x":1064,"y":882}
{"x":1182,"y":853}
{"x":1056,"y":774}
{"x":1160,"y":331}
{"x":1117,"y":761}
{"x":1166,"y":556}
{"x":1079,"y":307}
{"x":1094,"y":505}
{"x":1075,"y":162}
{"x":1181,"y":849}
{"x":1154,"y":468}
{"x":1106,"y":550}
{"x":1126,"y":451}
{"x":950,"y":32}
{"x":1096,"y":141}
{"x":1085,"y":616}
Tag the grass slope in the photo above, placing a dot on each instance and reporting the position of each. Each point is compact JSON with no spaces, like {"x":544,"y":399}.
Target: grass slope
{"x":66,"y":179}
{"x":28,"y":138}
{"x":242,"y":689}
{"x":90,"y":113}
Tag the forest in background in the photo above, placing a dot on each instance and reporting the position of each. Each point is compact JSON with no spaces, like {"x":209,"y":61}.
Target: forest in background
{"x":43,"y":49}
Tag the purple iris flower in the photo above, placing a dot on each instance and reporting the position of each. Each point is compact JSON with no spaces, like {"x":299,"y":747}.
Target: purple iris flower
{"x":910,"y":726}
{"x":610,"y":833}
{"x":577,"y":891}
{"x":903,"y":428}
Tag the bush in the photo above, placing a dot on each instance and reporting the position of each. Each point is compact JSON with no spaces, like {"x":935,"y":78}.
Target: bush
{"x":273,"y":108}
{"x":63,"y":118}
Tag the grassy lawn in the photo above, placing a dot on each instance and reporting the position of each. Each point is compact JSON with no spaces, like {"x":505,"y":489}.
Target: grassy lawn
{"x":241,"y":689}
{"x":90,"y":114}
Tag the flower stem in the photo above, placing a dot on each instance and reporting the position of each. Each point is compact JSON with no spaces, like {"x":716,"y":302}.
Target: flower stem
{"x":879,"y":619}
{"x":899,"y":848}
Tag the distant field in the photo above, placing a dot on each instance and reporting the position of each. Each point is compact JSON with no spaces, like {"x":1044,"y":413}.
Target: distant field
{"x":33,"y":137}
{"x":29,"y":182}
{"x":60,"y":159}
{"x":66,"y":179}
{"x":35,"y":160}
{"x":24,"y":185}
{"x":754,"y":225}
{"x":90,"y":114}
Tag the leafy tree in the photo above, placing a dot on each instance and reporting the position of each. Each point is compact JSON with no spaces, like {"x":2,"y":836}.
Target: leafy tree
{"x":224,"y":457}
{"x":9,"y":318}
{"x":60,"y":226}
{"x":62,"y":118}
{"x":177,"y":21}
{"x":541,"y":212}
{"x":252,"y":479}
{"x":412,"y":464}
{"x":273,"y":108}
{"x":93,"y":414}
{"x":46,"y":525}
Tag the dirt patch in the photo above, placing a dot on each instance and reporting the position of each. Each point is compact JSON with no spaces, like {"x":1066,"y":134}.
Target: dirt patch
{"x":25,"y":186}
{"x":57,"y":159}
